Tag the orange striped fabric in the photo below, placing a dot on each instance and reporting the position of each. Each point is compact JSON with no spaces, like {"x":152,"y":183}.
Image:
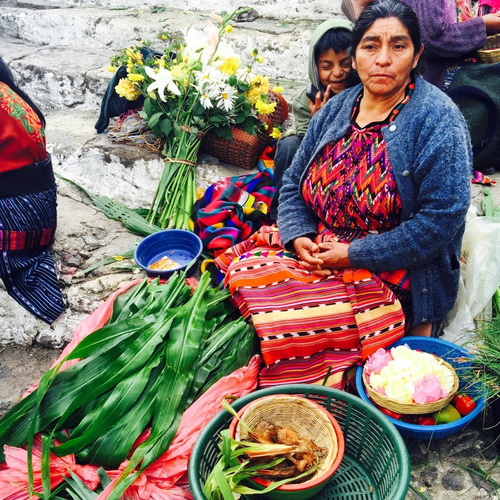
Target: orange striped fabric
{"x":311,"y":329}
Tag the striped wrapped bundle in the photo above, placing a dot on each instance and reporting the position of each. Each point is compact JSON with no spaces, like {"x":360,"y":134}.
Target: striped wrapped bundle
{"x":311,"y":329}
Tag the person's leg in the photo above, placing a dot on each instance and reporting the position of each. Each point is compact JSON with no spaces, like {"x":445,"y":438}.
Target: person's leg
{"x":285,"y":151}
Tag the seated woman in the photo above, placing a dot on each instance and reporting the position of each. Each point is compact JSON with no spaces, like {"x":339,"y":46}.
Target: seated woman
{"x":27,"y":204}
{"x":371,"y":217}
{"x":330,"y":72}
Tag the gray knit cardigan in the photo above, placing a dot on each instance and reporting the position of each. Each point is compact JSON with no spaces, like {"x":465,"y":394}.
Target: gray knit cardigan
{"x":430,"y":152}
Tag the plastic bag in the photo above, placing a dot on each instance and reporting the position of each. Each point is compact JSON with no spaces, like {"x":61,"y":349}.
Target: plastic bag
{"x":480,"y":276}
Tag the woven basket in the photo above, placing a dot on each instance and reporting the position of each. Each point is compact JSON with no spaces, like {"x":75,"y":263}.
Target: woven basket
{"x":375,"y":464}
{"x":310,"y":421}
{"x":490,"y":53}
{"x":280,"y":113}
{"x":243,"y":150}
{"x":412,"y":408}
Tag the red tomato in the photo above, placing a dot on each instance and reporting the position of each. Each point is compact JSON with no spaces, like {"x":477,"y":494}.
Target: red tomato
{"x":385,"y":411}
{"x":464,"y":404}
{"x":425,"y":420}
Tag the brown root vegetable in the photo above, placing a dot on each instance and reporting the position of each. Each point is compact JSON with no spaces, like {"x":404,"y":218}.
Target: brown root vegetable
{"x":265,"y":431}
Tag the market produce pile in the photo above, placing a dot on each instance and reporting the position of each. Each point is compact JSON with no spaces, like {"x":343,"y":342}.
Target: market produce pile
{"x":162,"y":348}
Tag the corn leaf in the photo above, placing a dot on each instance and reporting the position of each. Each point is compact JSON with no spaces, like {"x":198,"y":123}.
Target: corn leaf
{"x":115,"y":210}
{"x":119,"y":402}
{"x":113,"y":446}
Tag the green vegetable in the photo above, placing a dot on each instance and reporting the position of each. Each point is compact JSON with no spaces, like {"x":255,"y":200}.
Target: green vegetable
{"x":446,"y":415}
{"x":162,"y":348}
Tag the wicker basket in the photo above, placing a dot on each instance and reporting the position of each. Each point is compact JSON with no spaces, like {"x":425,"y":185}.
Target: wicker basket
{"x":308,"y":419}
{"x":412,"y":408}
{"x":490,"y":53}
{"x":280,"y":113}
{"x":245,"y":149}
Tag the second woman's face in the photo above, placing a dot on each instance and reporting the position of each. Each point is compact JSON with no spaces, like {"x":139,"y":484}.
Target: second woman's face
{"x":385,"y":58}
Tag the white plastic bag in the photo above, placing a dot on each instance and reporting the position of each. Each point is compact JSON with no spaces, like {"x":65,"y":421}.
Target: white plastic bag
{"x":480,"y":276}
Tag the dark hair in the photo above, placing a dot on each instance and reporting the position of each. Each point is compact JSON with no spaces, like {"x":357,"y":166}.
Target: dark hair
{"x":338,"y":39}
{"x":383,"y":9}
{"x":7,"y":78}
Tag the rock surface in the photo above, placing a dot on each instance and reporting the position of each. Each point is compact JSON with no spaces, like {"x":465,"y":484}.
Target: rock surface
{"x":59,"y":51}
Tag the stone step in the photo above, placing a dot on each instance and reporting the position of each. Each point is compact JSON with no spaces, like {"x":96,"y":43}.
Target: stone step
{"x":62,"y":53}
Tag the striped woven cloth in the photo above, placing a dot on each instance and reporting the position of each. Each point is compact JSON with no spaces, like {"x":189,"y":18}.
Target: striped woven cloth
{"x":25,"y":240}
{"x":311,"y":329}
{"x":27,"y":269}
{"x":232,"y":209}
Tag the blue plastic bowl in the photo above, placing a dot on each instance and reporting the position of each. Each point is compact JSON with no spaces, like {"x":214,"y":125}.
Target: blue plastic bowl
{"x":183,"y":247}
{"x":454,"y":355}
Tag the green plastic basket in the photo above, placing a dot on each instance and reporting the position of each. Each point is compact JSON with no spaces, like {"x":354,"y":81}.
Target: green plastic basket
{"x":376,"y":465}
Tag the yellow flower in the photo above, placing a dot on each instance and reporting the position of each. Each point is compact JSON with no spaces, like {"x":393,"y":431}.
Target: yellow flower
{"x":255,"y":52}
{"x":253,"y":95}
{"x":230,"y":65}
{"x":228,"y":28}
{"x":126,"y":88}
{"x":265,"y":108}
{"x":276,"y":133}
{"x":260,"y":59}
{"x":135,"y":77}
{"x":278,"y":89}
{"x":111,"y":69}
{"x":136,"y":56}
{"x":261,"y":83}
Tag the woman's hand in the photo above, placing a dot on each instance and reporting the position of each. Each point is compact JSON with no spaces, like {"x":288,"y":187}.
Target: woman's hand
{"x":323,"y":258}
{"x":306,"y":250}
{"x":334,"y":255}
{"x":315,"y":106}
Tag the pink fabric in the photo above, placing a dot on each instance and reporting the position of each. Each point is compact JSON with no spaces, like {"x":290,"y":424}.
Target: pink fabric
{"x":14,"y":477}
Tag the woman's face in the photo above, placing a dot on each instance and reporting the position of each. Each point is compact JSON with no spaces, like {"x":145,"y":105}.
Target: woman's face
{"x":333,"y":69}
{"x":385,"y":58}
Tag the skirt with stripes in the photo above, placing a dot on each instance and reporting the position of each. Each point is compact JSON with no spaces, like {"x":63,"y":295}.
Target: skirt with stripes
{"x":27,"y":226}
{"x":311,"y":329}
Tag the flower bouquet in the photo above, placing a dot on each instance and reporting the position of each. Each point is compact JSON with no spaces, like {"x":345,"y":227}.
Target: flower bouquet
{"x":195,"y":85}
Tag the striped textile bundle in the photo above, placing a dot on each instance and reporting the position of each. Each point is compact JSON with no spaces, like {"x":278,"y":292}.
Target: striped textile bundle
{"x":232,"y":209}
{"x":311,"y":329}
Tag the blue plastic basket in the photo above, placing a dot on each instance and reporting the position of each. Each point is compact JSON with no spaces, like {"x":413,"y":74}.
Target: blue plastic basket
{"x":375,"y":466}
{"x":454,"y":355}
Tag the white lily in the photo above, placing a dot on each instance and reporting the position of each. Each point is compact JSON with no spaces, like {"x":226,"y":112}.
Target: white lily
{"x":163,"y":79}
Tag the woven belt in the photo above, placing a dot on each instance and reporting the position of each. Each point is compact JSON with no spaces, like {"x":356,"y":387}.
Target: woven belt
{"x":26,"y":240}
{"x":33,"y":178}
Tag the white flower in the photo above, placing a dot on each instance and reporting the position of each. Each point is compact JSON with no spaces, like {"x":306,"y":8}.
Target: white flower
{"x":209,"y":76}
{"x":206,"y":101}
{"x":162,"y":79}
{"x":226,"y":98}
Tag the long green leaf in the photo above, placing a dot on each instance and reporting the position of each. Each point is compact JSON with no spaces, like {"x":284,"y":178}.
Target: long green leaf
{"x":113,"y":446}
{"x":120,"y":401}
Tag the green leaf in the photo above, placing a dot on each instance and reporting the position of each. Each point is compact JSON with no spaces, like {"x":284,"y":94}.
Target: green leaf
{"x":166,"y":127}
{"x":119,"y":403}
{"x":154,"y":119}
